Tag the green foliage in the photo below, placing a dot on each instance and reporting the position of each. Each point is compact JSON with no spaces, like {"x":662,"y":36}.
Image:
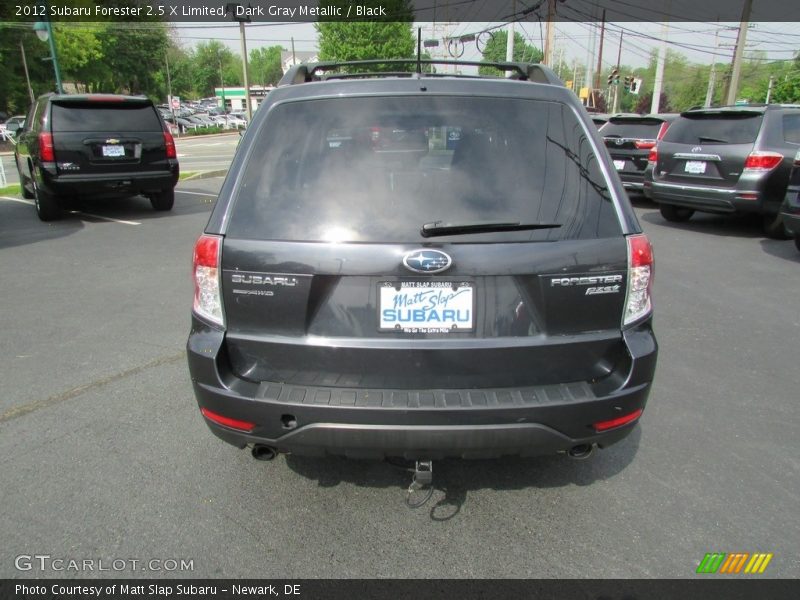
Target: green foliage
{"x":265,"y":65}
{"x":388,"y":38}
{"x":495,"y":51}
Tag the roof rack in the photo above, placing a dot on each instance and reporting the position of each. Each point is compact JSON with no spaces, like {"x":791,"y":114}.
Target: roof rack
{"x":306,"y":73}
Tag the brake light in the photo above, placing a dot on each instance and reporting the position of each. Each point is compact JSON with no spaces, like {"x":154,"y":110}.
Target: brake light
{"x":653,"y":156}
{"x":46,"y":148}
{"x":644,"y":144}
{"x":245,"y":426}
{"x":762,"y":161}
{"x":618,"y":422}
{"x":662,"y":130}
{"x":104,"y":98}
{"x":640,"y":279}
{"x":207,"y":296}
{"x":169,"y":143}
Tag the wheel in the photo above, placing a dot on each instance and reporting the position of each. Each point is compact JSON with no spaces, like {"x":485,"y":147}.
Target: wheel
{"x":26,"y":193}
{"x":163,"y":200}
{"x":797,"y":241}
{"x":47,"y":206}
{"x":675,"y":214}
{"x":773,"y":227}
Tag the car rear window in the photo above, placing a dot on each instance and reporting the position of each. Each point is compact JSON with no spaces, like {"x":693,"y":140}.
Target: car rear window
{"x":705,"y":128}
{"x":640,"y":129}
{"x":376,"y":169}
{"x":92,"y":116}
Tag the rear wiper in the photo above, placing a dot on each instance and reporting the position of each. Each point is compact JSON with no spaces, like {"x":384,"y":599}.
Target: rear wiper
{"x":703,"y":138}
{"x":436,"y":228}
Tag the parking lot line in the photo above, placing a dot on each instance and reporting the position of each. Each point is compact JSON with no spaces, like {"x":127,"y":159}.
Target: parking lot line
{"x":195,"y":193}
{"x":76,"y":212}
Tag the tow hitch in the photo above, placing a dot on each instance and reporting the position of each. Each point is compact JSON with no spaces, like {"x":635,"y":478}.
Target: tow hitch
{"x":421,"y":481}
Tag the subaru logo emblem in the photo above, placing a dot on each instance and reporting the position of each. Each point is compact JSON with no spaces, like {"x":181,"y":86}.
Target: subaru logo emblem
{"x":427,"y":261}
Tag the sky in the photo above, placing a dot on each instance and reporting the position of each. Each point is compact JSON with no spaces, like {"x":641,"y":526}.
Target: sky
{"x":699,"y":42}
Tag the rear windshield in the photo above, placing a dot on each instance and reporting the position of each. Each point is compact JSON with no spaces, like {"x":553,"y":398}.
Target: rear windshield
{"x":732,"y":128}
{"x":639,"y":129}
{"x":104,"y":117}
{"x":378,"y":169}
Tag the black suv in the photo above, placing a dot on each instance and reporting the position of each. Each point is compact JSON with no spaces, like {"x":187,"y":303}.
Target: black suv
{"x":629,"y":139}
{"x":733,"y":159}
{"x":422,"y":266}
{"x":95,"y":146}
{"x":790,"y":211}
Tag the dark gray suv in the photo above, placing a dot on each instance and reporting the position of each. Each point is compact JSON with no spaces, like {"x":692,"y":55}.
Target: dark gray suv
{"x":734,"y":159}
{"x":422,"y":266}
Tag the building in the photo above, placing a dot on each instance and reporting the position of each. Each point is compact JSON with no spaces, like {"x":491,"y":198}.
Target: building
{"x":234,"y":97}
{"x":290,"y":59}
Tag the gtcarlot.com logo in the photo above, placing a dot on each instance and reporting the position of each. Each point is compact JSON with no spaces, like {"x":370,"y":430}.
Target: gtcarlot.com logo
{"x":46,"y":562}
{"x":734,"y":563}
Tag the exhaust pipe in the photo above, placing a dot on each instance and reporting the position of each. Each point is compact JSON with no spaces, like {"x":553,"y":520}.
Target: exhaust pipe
{"x":262,"y":452}
{"x":581,"y":451}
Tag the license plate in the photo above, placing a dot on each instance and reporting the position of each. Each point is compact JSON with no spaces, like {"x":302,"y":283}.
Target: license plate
{"x":113,"y":150}
{"x":695,"y":166}
{"x":425,"y":306}
{"x":619,"y":165}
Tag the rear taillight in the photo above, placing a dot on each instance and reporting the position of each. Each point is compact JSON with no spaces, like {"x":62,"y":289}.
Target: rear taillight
{"x":619,"y":421}
{"x":46,"y":150}
{"x":645,"y":144}
{"x":207,"y":295}
{"x":169,"y":143}
{"x":653,"y":156}
{"x":245,"y":426}
{"x":662,"y":130}
{"x":640,"y":279}
{"x":762,"y":161}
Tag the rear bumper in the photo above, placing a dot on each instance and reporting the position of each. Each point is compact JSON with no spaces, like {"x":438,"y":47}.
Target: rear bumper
{"x":108,"y":184}
{"x":419,"y":424}
{"x":706,"y":198}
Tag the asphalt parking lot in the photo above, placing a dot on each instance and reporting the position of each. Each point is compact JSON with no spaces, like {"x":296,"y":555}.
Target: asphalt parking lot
{"x":104,"y":455}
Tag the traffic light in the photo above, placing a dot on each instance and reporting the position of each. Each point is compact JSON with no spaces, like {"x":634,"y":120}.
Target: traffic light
{"x":636,"y":85}
{"x":628,"y":82}
{"x":613,"y":78}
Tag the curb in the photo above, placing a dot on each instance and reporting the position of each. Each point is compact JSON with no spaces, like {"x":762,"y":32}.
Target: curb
{"x":205,"y":175}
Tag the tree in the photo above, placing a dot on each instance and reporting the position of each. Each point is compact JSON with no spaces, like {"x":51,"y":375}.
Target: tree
{"x":265,"y":65}
{"x":495,"y":51}
{"x":211,"y":60}
{"x":386,"y":37}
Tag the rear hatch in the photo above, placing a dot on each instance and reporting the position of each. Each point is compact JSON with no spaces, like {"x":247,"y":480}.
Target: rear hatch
{"x":629,"y":139}
{"x":371,"y":243}
{"x":708,"y":147}
{"x":107,"y":135}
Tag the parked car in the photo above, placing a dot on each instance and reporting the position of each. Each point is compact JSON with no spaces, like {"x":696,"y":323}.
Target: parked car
{"x":95,"y":146}
{"x":599,"y":119}
{"x":790,"y":210}
{"x":14,"y":123}
{"x":629,"y":139}
{"x":484,"y":300}
{"x":733,"y":159}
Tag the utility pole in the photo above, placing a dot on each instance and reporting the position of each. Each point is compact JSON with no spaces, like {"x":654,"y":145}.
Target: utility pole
{"x":769,"y":88}
{"x":712,"y":78}
{"x":510,"y":39}
{"x":294,"y":58}
{"x":27,"y":75}
{"x":600,"y":53}
{"x":169,"y":94}
{"x":246,"y":73}
{"x":590,"y":58}
{"x":550,"y":33}
{"x":616,"y":87}
{"x":737,"y":55}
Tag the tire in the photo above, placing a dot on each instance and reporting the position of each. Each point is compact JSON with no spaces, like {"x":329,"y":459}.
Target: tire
{"x":26,"y":193}
{"x":47,"y":206}
{"x":773,"y":227}
{"x":675,"y":214}
{"x":163,"y":200}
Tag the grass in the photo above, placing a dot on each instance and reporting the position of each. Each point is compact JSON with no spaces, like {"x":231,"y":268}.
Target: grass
{"x":10,"y":190}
